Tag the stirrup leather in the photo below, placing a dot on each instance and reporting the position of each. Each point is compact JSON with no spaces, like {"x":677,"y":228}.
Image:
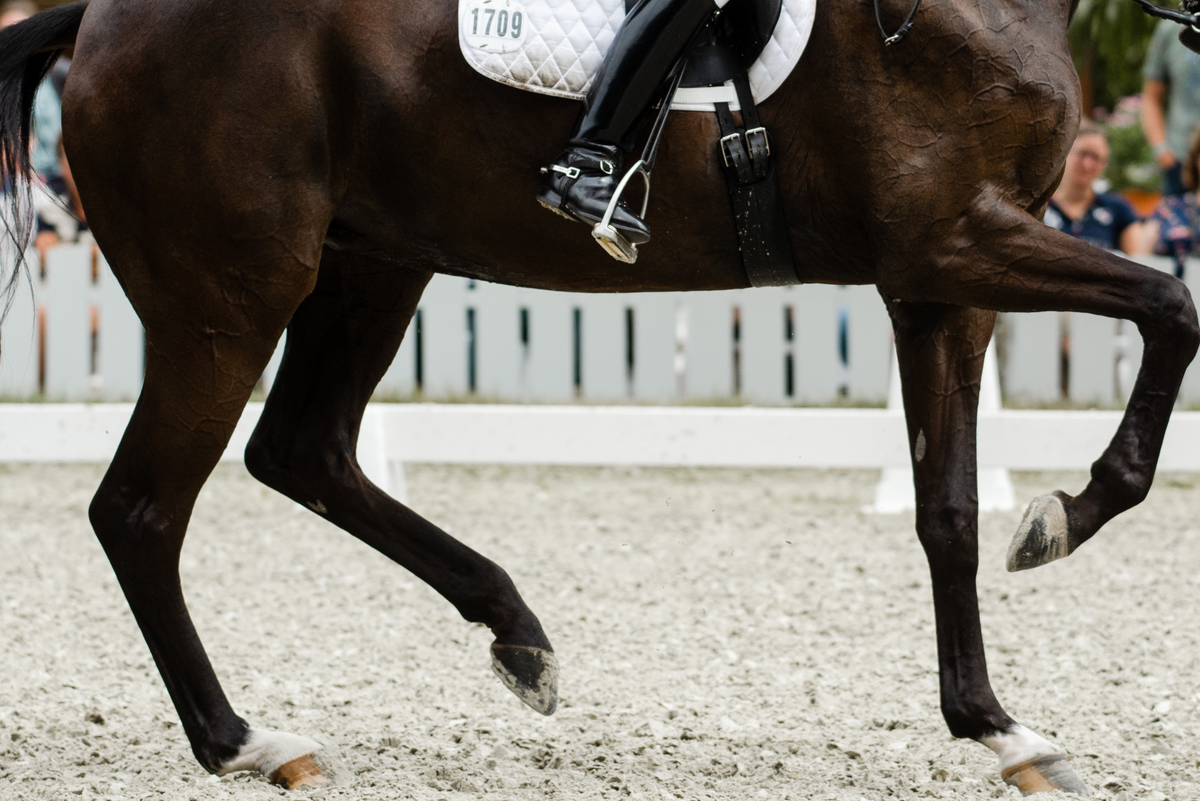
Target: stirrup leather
{"x":610,"y":238}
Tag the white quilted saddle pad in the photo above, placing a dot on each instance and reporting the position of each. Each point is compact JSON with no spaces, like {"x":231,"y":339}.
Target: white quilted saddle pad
{"x":555,"y":47}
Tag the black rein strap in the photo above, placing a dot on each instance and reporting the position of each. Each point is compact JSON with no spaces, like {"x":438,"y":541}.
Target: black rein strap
{"x":904,"y":29}
{"x":1181,"y":17}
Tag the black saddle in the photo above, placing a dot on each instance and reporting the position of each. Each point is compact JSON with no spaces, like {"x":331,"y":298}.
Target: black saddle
{"x":724,"y":50}
{"x":730,"y":42}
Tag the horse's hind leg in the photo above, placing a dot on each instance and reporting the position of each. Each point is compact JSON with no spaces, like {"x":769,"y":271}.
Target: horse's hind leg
{"x":941,"y":349}
{"x":999,"y":257}
{"x":213,"y":311}
{"x":340,"y":342}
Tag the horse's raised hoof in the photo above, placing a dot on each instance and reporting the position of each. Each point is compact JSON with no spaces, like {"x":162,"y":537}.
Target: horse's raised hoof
{"x":300,"y":772}
{"x":1042,"y":536}
{"x":1045,"y":773}
{"x":531,"y":673}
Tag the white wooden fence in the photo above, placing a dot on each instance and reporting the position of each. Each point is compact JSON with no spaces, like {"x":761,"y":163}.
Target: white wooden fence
{"x":76,"y":338}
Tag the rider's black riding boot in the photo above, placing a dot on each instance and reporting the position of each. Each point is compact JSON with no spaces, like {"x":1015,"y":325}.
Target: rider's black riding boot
{"x":649,"y":43}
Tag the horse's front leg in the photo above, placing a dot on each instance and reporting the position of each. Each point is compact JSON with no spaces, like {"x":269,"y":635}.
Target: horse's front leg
{"x":1001,"y":258}
{"x":941,"y":350}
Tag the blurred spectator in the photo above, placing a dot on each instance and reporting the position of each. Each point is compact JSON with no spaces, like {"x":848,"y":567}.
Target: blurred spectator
{"x":14,"y":11}
{"x":47,"y":130}
{"x":11,"y":13}
{"x":1098,"y":218}
{"x":47,"y":103}
{"x":1176,"y":221}
{"x":60,"y":216}
{"x":1170,"y":102}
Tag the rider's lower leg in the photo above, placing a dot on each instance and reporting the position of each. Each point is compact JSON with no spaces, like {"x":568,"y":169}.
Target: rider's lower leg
{"x":582,"y":180}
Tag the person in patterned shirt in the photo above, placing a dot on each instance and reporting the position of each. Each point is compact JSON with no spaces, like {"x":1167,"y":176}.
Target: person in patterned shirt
{"x":1175,"y":222}
{"x":1099,"y":218}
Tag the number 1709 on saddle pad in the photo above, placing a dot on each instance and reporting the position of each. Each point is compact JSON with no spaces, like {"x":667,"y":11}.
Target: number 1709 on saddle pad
{"x":555,"y":47}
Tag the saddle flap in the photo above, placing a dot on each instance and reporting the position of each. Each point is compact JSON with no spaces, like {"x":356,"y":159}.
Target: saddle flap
{"x":731,"y":42}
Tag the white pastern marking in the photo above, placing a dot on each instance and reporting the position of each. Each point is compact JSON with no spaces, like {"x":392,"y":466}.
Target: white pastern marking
{"x":267,"y":751}
{"x":317,"y":507}
{"x":1018,"y":745}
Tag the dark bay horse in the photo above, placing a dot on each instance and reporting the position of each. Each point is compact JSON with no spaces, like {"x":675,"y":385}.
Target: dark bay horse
{"x":310,"y":164}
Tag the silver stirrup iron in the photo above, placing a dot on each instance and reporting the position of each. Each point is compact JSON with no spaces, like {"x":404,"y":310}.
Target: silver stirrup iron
{"x":610,"y":238}
{"x":613,"y":242}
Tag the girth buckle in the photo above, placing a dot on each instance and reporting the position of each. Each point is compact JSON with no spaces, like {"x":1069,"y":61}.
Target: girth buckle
{"x":760,"y":131}
{"x":726,"y":155}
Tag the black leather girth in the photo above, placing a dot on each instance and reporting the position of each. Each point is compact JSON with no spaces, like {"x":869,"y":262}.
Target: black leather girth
{"x":745,"y":153}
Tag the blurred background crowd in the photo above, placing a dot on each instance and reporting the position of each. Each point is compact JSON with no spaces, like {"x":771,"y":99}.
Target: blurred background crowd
{"x":60,"y":216}
{"x":1130,"y":182}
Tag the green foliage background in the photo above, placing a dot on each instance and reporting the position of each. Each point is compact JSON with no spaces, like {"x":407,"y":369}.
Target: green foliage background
{"x":1130,"y":161}
{"x":1109,"y":40}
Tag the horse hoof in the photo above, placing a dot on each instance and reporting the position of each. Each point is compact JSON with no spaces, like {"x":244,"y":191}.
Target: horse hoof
{"x":1042,"y":536}
{"x":531,"y":673}
{"x":1043,"y":774}
{"x":300,"y":772}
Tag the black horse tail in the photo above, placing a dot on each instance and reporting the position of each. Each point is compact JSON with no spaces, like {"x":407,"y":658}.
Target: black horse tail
{"x":27,"y":52}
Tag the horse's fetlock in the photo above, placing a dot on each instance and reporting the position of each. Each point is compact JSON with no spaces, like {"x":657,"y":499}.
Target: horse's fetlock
{"x":969,"y":721}
{"x":961,"y":727}
{"x":958,"y":519}
{"x":960,"y":721}
{"x":942,"y":527}
{"x":492,"y":599}
{"x":219,"y":743}
{"x":1123,"y":486}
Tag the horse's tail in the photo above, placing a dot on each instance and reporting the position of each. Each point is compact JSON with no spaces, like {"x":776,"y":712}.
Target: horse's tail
{"x":27,"y":52}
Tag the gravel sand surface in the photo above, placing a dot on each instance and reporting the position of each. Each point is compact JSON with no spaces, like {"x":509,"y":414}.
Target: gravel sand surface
{"x":724,"y":634}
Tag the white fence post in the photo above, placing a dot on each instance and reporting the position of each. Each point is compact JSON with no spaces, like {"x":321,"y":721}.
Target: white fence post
{"x":870,"y":335}
{"x":654,"y":346}
{"x":817,"y":368}
{"x":65,"y":293}
{"x":603,"y":349}
{"x":1033,"y":369}
{"x":762,"y":318}
{"x":548,"y":374}
{"x":498,"y":351}
{"x":444,"y":337}
{"x":708,"y":371}
{"x":1092,"y":362}
{"x":19,"y":339}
